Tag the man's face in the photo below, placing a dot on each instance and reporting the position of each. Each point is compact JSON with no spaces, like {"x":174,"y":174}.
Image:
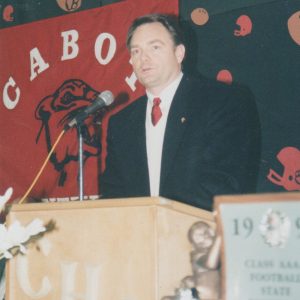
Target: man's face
{"x":155,"y":59}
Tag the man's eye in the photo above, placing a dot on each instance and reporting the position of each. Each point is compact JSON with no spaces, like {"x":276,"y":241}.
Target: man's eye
{"x":134,"y":51}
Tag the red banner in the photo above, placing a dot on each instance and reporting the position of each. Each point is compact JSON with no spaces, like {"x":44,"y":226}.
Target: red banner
{"x":49,"y":70}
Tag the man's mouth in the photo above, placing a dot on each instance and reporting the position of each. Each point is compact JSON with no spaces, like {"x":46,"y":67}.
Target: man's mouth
{"x":145,"y":68}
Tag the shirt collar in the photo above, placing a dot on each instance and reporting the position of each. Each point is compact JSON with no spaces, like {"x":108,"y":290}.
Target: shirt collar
{"x":168,"y":93}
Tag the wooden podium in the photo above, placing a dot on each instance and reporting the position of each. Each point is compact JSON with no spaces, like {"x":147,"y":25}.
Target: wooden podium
{"x":120,"y":249}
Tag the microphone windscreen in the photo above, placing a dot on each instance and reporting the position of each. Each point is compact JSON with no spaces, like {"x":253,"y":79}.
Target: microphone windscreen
{"x":107,"y":97}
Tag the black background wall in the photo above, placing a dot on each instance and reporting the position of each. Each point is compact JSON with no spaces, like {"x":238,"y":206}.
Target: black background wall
{"x":265,"y":58}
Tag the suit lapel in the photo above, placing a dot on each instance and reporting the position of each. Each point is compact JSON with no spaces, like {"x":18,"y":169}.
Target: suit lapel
{"x":137,"y":134}
{"x":176,"y":125}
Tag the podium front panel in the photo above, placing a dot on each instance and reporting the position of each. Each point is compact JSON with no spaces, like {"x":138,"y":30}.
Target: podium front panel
{"x":105,"y":249}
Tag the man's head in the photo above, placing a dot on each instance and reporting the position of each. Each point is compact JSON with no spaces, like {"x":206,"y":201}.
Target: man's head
{"x":156,"y":49}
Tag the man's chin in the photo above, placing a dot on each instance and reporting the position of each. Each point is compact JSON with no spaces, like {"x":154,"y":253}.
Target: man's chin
{"x":147,"y":82}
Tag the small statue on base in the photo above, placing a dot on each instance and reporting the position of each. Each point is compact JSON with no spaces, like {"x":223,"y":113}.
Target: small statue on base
{"x":205,"y":282}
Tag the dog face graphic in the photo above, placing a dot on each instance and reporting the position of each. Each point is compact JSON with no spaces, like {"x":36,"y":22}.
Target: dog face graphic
{"x":57,"y":110}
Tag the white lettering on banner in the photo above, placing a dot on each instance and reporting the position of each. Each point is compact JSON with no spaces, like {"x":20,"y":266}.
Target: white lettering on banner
{"x":36,"y":62}
{"x":131,"y":81}
{"x":69,"y":42}
{"x":68,"y":282}
{"x":111,"y":50}
{"x":70,"y":50}
{"x":8,"y":102}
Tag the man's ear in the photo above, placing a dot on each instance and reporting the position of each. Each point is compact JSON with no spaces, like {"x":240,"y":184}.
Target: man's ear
{"x":180,"y":53}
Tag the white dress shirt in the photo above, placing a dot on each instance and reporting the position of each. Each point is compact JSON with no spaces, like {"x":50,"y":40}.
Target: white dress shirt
{"x":155,"y":134}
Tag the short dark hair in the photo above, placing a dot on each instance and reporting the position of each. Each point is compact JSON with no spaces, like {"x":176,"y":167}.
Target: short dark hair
{"x":170,"y":22}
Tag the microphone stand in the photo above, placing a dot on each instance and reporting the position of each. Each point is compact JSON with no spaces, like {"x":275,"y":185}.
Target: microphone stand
{"x":80,"y":161}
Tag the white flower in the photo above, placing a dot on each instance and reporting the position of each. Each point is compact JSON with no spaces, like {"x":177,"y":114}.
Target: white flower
{"x":185,"y":294}
{"x":5,"y":243}
{"x":5,"y":197}
{"x":17,"y":233}
{"x":35,"y":227}
{"x":15,"y":237}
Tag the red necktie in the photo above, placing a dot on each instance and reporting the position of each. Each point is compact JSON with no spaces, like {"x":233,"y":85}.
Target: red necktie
{"x":156,"y":112}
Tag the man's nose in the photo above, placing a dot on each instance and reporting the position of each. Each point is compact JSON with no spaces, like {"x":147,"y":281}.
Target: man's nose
{"x":144,"y":55}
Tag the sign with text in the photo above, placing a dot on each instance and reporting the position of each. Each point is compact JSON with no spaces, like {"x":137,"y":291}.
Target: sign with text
{"x":261,"y":243}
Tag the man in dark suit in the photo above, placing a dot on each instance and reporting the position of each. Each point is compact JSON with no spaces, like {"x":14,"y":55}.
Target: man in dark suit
{"x":187,"y":139}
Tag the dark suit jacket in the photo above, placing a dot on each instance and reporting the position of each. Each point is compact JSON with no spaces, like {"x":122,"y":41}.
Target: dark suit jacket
{"x":211,"y":146}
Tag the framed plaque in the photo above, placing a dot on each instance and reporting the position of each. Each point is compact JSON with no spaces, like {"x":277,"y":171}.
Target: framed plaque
{"x":260,"y":253}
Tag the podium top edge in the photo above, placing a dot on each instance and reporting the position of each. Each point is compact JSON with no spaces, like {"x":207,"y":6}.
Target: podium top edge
{"x":114,"y":203}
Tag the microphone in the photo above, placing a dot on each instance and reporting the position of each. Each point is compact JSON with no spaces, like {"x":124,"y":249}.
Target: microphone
{"x":106,"y":98}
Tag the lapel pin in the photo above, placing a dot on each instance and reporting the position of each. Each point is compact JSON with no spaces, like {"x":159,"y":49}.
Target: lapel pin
{"x":183,"y":119}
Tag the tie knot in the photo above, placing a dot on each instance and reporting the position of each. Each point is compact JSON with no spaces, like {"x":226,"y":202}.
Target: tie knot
{"x":156,"y":101}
